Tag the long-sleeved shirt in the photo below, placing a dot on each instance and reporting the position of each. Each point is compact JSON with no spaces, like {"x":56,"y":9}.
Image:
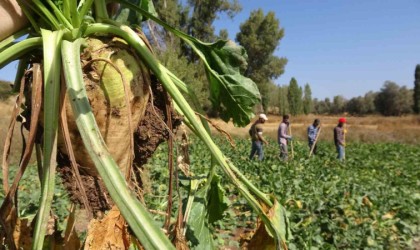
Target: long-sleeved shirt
{"x":339,"y":136}
{"x":256,"y":131}
{"x":282,"y":133}
{"x":312,"y":132}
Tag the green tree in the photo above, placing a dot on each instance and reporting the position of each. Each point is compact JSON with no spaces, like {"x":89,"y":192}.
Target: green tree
{"x":260,"y":36}
{"x":307,"y":100}
{"x":204,"y":12}
{"x":320,"y":106}
{"x":170,"y":12}
{"x":283,"y":101}
{"x":355,"y":106}
{"x":273,"y":95}
{"x":223,"y":34}
{"x":294,"y":96}
{"x":369,"y":102}
{"x":327,"y":103}
{"x":393,"y":100}
{"x":195,"y":18}
{"x":416,"y":95}
{"x":199,"y":17}
{"x":338,"y":105}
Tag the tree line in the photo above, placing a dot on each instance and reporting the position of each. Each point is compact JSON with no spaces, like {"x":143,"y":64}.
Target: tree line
{"x":260,"y":35}
{"x":390,"y":100}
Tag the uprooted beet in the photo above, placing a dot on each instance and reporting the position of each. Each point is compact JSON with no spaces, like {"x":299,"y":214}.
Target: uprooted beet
{"x":149,"y":134}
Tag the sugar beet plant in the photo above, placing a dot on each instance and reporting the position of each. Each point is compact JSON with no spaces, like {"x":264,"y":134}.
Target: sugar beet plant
{"x":79,"y":65}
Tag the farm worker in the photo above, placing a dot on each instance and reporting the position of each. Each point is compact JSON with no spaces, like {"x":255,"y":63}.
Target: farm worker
{"x":283,"y":137}
{"x":339,"y":138}
{"x":312,"y":134}
{"x":256,"y":133}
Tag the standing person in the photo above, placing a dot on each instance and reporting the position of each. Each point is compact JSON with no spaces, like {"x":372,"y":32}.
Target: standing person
{"x":312,"y":134}
{"x":256,"y":133}
{"x":283,"y":137}
{"x":339,"y":138}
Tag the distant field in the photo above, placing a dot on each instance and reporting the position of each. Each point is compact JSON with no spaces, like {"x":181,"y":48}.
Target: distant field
{"x":369,"y":129}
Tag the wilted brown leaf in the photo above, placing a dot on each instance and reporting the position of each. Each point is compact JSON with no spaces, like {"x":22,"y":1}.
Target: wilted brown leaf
{"x":109,"y":233}
{"x":262,"y":240}
{"x":389,"y":215}
{"x":22,"y":234}
{"x":366,"y":201}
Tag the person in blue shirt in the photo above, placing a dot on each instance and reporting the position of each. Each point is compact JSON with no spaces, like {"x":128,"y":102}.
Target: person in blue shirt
{"x":312,"y":133}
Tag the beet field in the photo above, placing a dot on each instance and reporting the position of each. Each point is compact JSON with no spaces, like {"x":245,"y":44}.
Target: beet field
{"x":369,"y":201}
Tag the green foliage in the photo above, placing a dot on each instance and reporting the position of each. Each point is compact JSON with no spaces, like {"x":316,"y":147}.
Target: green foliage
{"x":193,"y":74}
{"x":5,"y":90}
{"x":338,"y":105}
{"x":307,"y":99}
{"x":223,"y":34}
{"x":294,"y":96}
{"x":283,"y":101}
{"x":416,"y":95}
{"x":218,"y":203}
{"x":205,"y":12}
{"x":230,"y":92}
{"x":127,"y":16}
{"x":394,"y":100}
{"x":260,"y":35}
{"x":200,"y":23}
{"x":368,"y":202}
{"x":208,"y":207}
{"x":362,"y":105}
{"x":199,"y":232}
{"x":29,"y":194}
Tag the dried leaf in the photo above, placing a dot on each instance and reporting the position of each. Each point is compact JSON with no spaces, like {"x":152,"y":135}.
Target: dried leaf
{"x":22,"y":234}
{"x":389,"y":215}
{"x":109,"y":233}
{"x":366,"y":201}
{"x":262,"y":238}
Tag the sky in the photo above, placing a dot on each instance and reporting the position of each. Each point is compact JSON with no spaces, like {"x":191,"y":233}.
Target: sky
{"x":339,"y":47}
{"x":342,"y":47}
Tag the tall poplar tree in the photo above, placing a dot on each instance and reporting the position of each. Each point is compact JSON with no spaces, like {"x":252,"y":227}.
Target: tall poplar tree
{"x":260,"y":35}
{"x":283,"y":101}
{"x":307,"y":100}
{"x":416,"y":95}
{"x":294,"y":96}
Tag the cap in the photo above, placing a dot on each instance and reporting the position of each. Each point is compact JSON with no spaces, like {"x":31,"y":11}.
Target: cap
{"x":264,"y":117}
{"x":342,"y":120}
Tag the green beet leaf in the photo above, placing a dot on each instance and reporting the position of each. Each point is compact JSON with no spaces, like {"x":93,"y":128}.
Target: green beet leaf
{"x":217,"y":201}
{"x":230,"y":91}
{"x":199,"y":233}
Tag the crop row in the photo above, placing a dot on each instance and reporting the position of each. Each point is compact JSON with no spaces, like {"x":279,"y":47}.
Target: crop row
{"x":370,"y":201}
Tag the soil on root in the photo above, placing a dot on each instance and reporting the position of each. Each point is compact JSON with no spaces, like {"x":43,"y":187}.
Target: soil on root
{"x":150,"y":133}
